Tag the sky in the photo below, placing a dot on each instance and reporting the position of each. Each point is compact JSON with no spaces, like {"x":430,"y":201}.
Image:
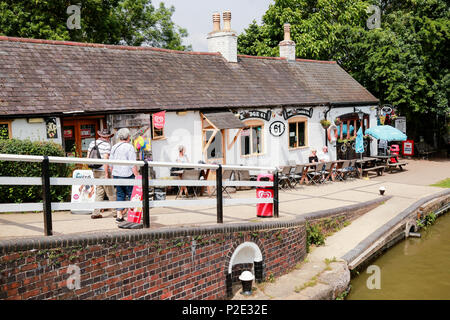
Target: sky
{"x":196,"y":16}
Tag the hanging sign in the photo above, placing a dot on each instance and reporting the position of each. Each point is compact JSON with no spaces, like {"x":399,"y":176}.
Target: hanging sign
{"x":265,"y":115}
{"x":159,"y":119}
{"x":289,"y":113}
{"x":51,"y":128}
{"x":277,"y":128}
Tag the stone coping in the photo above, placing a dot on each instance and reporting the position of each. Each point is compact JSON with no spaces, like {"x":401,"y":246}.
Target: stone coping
{"x":374,"y":236}
{"x":84,"y":239}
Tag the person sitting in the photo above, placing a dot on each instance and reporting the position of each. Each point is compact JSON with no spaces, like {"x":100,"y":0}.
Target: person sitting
{"x":325,"y":156}
{"x":313,"y":156}
{"x":182,"y":158}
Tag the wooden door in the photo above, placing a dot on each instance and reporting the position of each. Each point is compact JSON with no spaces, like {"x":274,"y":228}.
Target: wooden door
{"x":78,"y":134}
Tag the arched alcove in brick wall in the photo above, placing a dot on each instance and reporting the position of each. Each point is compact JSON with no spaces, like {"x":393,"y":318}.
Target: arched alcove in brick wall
{"x":249,"y":256}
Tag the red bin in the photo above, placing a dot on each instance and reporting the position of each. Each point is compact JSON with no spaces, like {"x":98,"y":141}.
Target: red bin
{"x":264,"y":209}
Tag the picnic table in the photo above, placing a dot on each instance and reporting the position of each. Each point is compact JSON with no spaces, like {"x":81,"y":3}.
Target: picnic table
{"x":368,"y":164}
{"x":392,"y":165}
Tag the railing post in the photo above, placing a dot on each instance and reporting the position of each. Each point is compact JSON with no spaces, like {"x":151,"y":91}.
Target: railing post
{"x":275,"y":194}
{"x":46,"y":197}
{"x":219,"y":194}
{"x":145,"y":198}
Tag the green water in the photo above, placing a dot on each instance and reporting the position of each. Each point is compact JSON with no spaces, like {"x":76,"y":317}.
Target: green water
{"x":416,"y":268}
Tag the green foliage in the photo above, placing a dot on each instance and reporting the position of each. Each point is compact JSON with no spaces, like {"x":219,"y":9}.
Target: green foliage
{"x":132,"y":22}
{"x":314,"y":235}
{"x":20,"y":194}
{"x":403,"y":63}
{"x":443,"y":183}
{"x":427,"y":221}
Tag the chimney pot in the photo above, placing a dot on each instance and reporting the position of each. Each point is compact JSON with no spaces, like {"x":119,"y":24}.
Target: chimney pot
{"x":287,"y":32}
{"x":216,"y":22}
{"x":226,"y":21}
{"x":287,"y":46}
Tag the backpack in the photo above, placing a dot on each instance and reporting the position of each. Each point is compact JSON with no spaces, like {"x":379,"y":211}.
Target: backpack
{"x":95,"y":154}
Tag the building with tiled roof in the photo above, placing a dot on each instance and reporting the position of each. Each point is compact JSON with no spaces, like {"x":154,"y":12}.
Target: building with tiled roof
{"x":269,"y":108}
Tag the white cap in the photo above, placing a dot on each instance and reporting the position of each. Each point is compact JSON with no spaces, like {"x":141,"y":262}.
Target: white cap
{"x":246,"y":276}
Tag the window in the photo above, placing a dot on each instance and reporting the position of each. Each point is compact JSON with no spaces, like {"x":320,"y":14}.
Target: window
{"x":297,"y":133}
{"x":251,"y":139}
{"x":5,"y":130}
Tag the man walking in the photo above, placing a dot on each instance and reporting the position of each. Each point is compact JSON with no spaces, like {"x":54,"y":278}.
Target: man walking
{"x":104,"y":147}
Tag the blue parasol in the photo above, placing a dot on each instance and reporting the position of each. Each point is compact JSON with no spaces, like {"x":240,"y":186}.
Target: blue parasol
{"x":387,"y":133}
{"x":359,"y":143}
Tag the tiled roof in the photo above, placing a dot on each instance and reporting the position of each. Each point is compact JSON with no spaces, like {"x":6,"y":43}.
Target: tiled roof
{"x":52,"y":77}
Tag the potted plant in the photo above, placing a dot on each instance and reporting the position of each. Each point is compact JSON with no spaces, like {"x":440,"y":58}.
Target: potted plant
{"x":337,"y":121}
{"x":325,"y":123}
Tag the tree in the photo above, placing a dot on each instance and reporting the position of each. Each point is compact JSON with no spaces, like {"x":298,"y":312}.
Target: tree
{"x":404,"y":63}
{"x":130,"y":22}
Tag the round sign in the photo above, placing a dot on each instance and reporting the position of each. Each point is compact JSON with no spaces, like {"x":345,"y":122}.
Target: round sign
{"x":277,"y":128}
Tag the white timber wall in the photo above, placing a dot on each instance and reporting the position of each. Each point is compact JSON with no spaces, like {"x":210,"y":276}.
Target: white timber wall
{"x":21,"y":129}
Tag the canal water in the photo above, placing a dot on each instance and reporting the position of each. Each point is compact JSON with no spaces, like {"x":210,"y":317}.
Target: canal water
{"x":416,"y":268}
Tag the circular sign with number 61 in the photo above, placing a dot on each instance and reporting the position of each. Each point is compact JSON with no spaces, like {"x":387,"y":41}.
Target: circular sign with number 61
{"x":277,"y":128}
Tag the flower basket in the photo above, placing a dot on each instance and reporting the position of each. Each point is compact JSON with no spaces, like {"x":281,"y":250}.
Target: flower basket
{"x":325,"y":123}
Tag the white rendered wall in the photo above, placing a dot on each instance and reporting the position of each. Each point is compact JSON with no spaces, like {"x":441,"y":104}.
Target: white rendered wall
{"x":178,"y":130}
{"x":21,"y":129}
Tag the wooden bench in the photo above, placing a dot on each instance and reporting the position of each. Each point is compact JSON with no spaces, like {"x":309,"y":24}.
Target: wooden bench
{"x":379,"y":170}
{"x":424,"y":150}
{"x":396,"y":165}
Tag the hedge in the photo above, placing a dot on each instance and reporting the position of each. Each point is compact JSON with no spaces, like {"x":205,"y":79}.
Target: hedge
{"x":20,"y":194}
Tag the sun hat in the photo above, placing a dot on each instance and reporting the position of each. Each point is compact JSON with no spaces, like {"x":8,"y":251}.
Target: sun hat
{"x":105,"y":133}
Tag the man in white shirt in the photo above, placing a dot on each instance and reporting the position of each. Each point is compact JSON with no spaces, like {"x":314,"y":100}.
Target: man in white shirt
{"x":123,"y":150}
{"x":325,"y":156}
{"x":104,"y":147}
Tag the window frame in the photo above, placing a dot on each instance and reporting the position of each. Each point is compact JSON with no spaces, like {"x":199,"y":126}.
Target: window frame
{"x":297,"y":120}
{"x":249,"y":124}
{"x":7,"y":122}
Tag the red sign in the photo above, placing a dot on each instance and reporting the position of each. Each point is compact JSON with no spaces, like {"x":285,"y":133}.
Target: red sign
{"x":159,"y":119}
{"x":68,"y":133}
{"x":408,"y":148}
{"x":135,"y":214}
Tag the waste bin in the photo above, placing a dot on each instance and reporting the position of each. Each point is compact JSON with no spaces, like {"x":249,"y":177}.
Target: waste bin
{"x":264,"y":209}
{"x":395,"y":150}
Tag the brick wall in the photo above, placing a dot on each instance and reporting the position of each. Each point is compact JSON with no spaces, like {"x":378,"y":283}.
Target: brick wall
{"x":143,"y":264}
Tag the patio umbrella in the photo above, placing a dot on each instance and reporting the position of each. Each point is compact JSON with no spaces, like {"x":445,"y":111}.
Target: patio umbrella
{"x":359,"y":143}
{"x":387,"y":133}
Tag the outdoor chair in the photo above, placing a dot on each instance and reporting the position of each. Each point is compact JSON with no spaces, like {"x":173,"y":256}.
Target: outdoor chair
{"x":326,"y":171}
{"x":341,"y":173}
{"x":352,"y":170}
{"x":226,"y":176}
{"x":283,"y":178}
{"x":296,"y":175}
{"x":243,"y":175}
{"x":189,"y":175}
{"x":315,"y":176}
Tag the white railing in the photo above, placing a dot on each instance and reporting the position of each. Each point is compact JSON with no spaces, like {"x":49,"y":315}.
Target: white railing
{"x":46,"y":182}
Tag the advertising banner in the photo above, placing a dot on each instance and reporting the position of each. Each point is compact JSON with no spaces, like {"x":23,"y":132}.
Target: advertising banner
{"x":135,"y":214}
{"x":159,"y":119}
{"x":408,"y":148}
{"x":84,"y":192}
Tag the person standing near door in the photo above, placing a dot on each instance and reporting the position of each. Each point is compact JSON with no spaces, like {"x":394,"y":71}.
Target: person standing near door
{"x":104,"y":147}
{"x":123,"y":150}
